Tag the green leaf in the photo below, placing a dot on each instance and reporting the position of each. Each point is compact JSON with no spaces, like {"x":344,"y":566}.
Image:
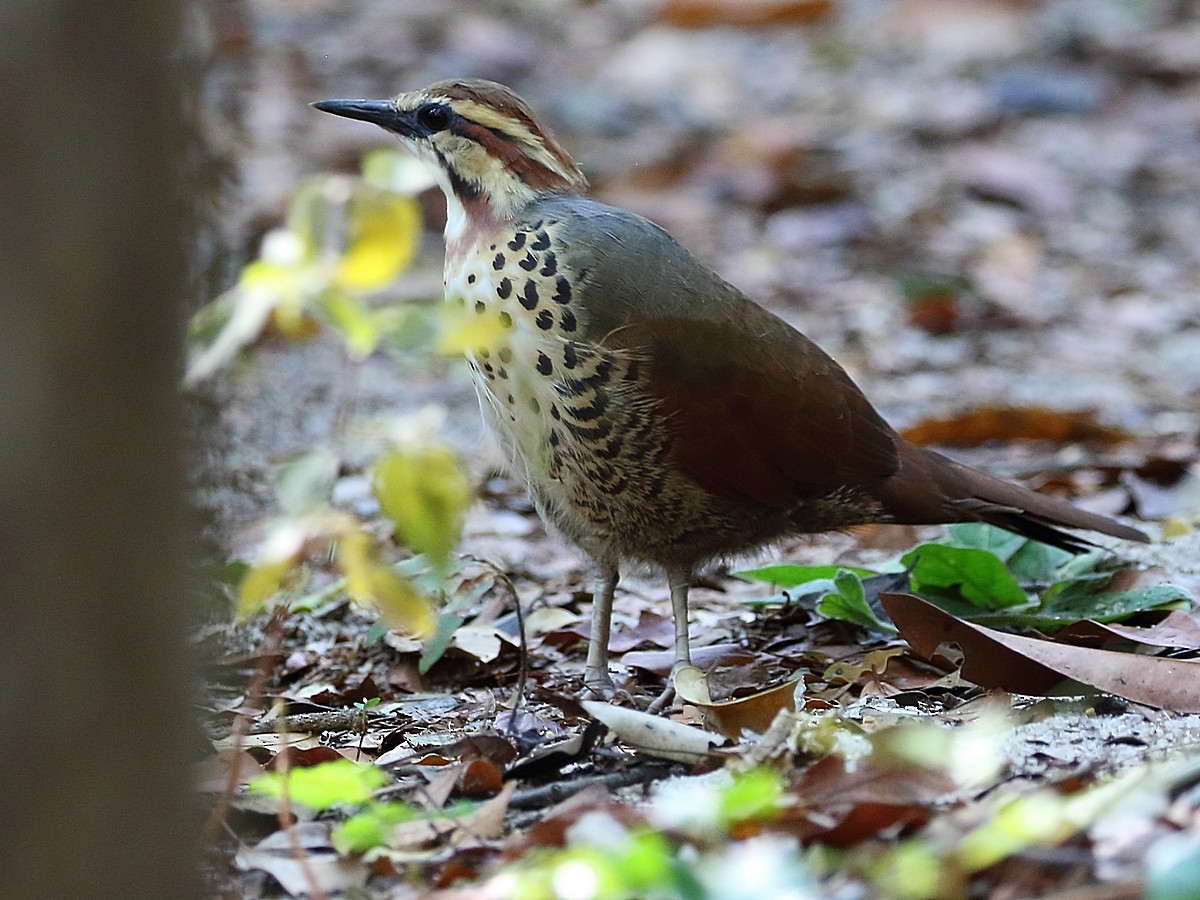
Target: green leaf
{"x":753,"y":795}
{"x":424,"y":492}
{"x":436,"y":644}
{"x":403,"y":329}
{"x":978,"y":575}
{"x":645,"y":862}
{"x":324,"y":785}
{"x":981,"y":536}
{"x":1035,"y":563}
{"x":304,"y":483}
{"x":1070,"y":607}
{"x":375,"y":633}
{"x":848,"y":603}
{"x":357,"y":325}
{"x":371,"y":827}
{"x":790,"y":575}
{"x":321,"y":600}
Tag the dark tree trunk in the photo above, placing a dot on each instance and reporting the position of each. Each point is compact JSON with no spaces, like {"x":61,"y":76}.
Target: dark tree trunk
{"x":94,"y":703}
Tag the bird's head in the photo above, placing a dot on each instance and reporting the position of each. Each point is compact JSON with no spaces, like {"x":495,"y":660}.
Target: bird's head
{"x":491,"y":155}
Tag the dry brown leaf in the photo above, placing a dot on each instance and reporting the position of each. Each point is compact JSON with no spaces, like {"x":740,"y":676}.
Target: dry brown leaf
{"x":1025,"y":665}
{"x":660,"y":662}
{"x":484,"y":823}
{"x":710,"y":13}
{"x":1177,"y":630}
{"x":1012,"y":423}
{"x":731,"y":717}
{"x":479,"y":778}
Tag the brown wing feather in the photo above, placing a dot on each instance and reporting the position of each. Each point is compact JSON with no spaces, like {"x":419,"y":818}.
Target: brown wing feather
{"x":758,"y":412}
{"x":766,"y":426}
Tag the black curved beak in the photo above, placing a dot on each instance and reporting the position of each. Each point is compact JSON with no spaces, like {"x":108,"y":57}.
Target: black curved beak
{"x":378,"y":112}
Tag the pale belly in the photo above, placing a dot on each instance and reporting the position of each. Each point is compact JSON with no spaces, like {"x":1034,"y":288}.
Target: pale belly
{"x":567,"y":413}
{"x":574,"y":421}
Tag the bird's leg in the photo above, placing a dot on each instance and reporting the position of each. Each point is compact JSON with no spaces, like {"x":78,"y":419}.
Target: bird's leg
{"x":680,"y":580}
{"x":596,"y":680}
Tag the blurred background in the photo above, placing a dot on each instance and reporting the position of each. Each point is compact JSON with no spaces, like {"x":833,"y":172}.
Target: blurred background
{"x":967,"y":202}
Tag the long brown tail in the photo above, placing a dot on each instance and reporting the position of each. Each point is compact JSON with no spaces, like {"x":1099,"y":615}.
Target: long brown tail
{"x":931,"y":489}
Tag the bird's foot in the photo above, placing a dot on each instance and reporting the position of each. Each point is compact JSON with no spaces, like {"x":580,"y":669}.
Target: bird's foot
{"x":598,"y":685}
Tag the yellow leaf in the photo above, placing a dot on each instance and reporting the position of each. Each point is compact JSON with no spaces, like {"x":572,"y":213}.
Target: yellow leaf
{"x":260,"y":583}
{"x":1174,"y":527}
{"x":462,"y":330}
{"x":400,"y":603}
{"x":384,"y":231}
{"x":370,"y":581}
{"x":424,"y":492}
{"x":279,"y":287}
{"x":354,"y":559}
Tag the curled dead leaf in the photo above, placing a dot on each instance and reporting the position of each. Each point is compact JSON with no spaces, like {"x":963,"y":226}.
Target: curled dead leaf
{"x":1026,"y":665}
{"x":731,"y":717}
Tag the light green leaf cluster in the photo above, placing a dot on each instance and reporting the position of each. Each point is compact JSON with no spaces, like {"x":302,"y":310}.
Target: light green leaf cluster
{"x":345,"y":238}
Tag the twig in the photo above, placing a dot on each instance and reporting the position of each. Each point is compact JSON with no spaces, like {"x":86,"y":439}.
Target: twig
{"x":287,"y":821}
{"x":241,"y":724}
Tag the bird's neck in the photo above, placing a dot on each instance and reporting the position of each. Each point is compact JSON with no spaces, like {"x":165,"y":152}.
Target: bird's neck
{"x":472,"y":217}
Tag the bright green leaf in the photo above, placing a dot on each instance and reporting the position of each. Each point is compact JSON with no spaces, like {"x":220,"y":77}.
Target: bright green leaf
{"x":645,"y":861}
{"x":371,"y":827}
{"x":790,"y":575}
{"x":979,"y":576}
{"x":337,"y":783}
{"x":847,"y":602}
{"x":753,"y":795}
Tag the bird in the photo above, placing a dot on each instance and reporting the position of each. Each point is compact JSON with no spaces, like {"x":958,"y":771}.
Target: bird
{"x":656,"y":414}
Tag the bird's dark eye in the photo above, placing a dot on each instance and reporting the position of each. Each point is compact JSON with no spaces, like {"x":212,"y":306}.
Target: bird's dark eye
{"x":434,"y":117}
